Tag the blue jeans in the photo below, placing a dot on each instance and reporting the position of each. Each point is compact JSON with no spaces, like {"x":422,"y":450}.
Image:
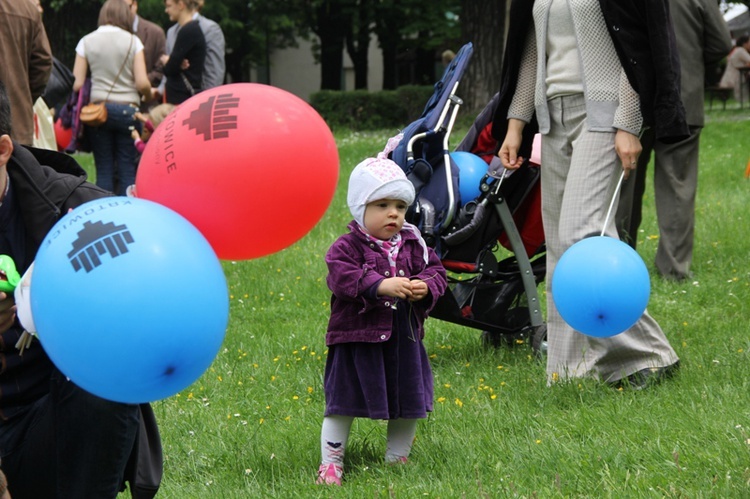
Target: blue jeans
{"x":113,"y":148}
{"x":68,"y":444}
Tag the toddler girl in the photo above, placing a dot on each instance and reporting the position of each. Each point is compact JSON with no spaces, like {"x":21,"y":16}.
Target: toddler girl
{"x":384,"y":280}
{"x":150,"y":121}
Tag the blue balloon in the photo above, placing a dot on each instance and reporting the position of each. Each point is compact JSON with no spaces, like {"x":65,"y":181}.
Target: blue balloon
{"x":129,"y":299}
{"x":601,"y":286}
{"x":471,"y":171}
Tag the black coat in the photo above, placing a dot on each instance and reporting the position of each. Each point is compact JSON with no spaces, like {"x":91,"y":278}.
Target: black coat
{"x":44,"y":195}
{"x":643,"y":37}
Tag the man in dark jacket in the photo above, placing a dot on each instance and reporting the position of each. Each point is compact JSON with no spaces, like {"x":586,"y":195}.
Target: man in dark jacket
{"x":702,"y":40}
{"x":56,"y":440}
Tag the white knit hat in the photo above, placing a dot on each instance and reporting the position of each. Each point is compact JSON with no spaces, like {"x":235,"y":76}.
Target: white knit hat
{"x":378,"y":178}
{"x":375,"y":179}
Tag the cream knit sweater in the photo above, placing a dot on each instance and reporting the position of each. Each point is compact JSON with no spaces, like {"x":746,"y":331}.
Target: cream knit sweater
{"x":611,"y":102}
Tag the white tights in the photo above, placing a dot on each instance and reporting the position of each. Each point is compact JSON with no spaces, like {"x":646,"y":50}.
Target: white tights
{"x":335,"y":433}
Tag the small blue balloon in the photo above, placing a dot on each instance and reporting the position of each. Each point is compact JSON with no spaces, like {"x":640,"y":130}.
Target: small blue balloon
{"x":601,"y":286}
{"x":129,"y":299}
{"x":471,"y":171}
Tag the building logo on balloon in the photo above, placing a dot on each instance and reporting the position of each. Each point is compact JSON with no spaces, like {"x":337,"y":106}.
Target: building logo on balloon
{"x":212,"y":119}
{"x":96,"y":239}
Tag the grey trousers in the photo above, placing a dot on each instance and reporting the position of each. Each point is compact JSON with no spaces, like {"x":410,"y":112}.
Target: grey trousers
{"x":580,"y":170}
{"x":675,"y":186}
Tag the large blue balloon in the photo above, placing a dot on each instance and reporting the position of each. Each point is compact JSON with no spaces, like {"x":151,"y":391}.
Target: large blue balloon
{"x":129,"y":300}
{"x":471,"y":171}
{"x":601,"y":286}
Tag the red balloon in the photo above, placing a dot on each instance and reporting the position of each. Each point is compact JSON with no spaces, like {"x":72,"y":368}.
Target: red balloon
{"x":62,"y":135}
{"x":253,"y":167}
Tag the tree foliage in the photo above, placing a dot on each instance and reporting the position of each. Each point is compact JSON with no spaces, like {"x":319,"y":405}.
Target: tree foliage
{"x":410,"y":33}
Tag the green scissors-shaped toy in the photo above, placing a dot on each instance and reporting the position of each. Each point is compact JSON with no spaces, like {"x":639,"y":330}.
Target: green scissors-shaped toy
{"x":9,"y":277}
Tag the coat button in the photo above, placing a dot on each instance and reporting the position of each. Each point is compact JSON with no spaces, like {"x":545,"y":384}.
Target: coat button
{"x":382,"y":337}
{"x":387,"y":304}
{"x":633,"y":62}
{"x":387,"y":273}
{"x":615,"y":27}
{"x":401,"y":272}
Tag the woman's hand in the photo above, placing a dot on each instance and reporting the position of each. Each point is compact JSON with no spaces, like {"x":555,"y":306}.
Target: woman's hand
{"x":628,"y":148}
{"x":508,"y":152}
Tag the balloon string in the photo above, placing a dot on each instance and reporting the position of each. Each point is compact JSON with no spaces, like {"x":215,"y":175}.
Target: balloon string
{"x":612,"y":203}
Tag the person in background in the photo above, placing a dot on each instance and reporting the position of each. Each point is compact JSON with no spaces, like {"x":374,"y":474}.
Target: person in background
{"x":154,"y":43}
{"x":118,"y":78}
{"x":150,"y":121}
{"x":214,"y":66}
{"x":183,"y":67}
{"x":739,"y":58}
{"x":25,"y":62}
{"x":57,"y":440}
{"x":702,"y":40}
{"x":588,"y":75}
{"x":384,"y":280}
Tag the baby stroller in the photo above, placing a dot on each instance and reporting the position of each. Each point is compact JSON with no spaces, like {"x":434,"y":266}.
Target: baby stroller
{"x":493,"y":294}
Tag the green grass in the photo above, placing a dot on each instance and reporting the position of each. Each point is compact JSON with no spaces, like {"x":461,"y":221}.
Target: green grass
{"x":249,"y":427}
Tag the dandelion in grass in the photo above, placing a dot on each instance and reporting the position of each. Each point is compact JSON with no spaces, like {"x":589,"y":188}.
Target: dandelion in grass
{"x":458,"y":402}
{"x":441,"y":400}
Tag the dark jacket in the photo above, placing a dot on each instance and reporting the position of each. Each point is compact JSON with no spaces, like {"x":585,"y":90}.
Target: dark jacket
{"x":44,"y":194}
{"x":154,"y":46}
{"x":356,"y":267}
{"x":190,"y":45}
{"x":643,"y":37}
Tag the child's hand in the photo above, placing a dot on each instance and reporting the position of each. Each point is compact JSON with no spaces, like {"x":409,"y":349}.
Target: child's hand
{"x":419,"y":289}
{"x":396,"y":287}
{"x":135,"y":135}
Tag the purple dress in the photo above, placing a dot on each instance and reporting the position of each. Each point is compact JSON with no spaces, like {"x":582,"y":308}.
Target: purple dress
{"x":377,"y":366}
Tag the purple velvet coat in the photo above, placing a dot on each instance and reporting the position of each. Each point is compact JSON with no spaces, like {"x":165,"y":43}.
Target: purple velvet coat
{"x":355,"y":268}
{"x":377,"y":366}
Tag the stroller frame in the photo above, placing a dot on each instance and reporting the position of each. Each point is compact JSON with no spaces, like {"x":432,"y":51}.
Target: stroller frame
{"x":422,"y":154}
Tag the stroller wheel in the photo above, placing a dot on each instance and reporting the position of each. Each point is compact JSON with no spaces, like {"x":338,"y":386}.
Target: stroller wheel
{"x":495,"y":339}
{"x":539,"y":341}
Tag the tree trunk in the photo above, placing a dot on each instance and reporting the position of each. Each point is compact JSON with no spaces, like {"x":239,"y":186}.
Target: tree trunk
{"x":485,"y":25}
{"x":332,"y":26}
{"x":390,"y":78}
{"x":358,"y":45}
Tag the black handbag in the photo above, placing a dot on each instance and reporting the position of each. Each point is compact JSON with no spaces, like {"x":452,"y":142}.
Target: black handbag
{"x":60,"y":84}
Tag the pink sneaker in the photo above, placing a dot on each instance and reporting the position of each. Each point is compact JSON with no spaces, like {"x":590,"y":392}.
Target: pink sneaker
{"x":330,"y":474}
